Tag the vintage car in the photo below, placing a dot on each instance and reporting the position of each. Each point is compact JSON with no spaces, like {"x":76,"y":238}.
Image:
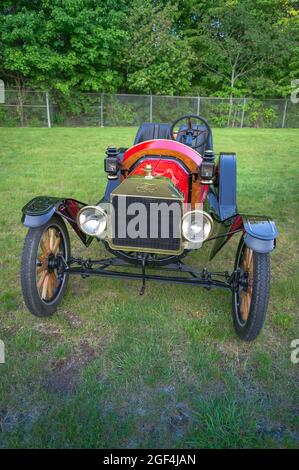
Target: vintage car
{"x":165,"y":196}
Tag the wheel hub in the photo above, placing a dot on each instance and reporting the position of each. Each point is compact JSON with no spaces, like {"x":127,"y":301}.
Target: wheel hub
{"x":52,"y":263}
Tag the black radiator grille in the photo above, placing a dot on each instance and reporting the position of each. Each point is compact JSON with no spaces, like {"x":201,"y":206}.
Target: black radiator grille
{"x":121,"y":239}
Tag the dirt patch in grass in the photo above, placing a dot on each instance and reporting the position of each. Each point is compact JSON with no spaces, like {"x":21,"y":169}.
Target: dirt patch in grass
{"x":214,"y":388}
{"x":160,"y":417}
{"x":169,"y":425}
{"x":9,"y":330}
{"x":233,"y":350}
{"x":279,"y":433}
{"x":48,"y":329}
{"x":10,"y":419}
{"x":73,"y":320}
{"x":197,"y":315}
{"x":64,"y":375}
{"x":78,"y":286}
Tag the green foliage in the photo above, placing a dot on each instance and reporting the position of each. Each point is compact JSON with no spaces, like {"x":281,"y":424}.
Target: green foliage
{"x":62,"y":46}
{"x":259,"y":115}
{"x":6,"y":119}
{"x":157,"y":59}
{"x":215,"y":47}
{"x":239,"y":42}
{"x":119,"y":114}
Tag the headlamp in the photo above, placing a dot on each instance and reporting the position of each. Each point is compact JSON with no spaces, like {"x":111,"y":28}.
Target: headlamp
{"x":196,"y":226}
{"x":92,"y":220}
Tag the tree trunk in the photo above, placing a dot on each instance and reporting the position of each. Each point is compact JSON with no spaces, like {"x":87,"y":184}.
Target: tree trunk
{"x":20,"y":102}
{"x":232,"y":84}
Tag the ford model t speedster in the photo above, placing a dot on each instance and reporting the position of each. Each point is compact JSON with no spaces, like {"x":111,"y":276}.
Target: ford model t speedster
{"x":165,"y":196}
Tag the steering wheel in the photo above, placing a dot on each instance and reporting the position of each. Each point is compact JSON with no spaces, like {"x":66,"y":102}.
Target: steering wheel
{"x":191,"y":132}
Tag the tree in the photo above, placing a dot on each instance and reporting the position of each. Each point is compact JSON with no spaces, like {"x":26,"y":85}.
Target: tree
{"x":156,"y":59}
{"x":238,"y":44}
{"x":208,"y":47}
{"x":62,"y":45}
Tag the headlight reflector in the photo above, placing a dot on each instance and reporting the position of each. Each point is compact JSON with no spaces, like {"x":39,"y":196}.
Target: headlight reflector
{"x":196,"y":226}
{"x":92,"y":220}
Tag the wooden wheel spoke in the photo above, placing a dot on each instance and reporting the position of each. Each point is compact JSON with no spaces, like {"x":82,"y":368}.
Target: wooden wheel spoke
{"x":249,"y":260}
{"x":45,"y":286}
{"x":245,"y":305}
{"x":46,"y":241}
{"x":52,"y":238}
{"x":245,"y":309}
{"x":41,"y":280}
{"x":246,"y":295}
{"x":246,"y":259}
{"x":44,"y":248}
{"x":56,"y":245}
{"x":41,"y":269}
{"x":50,"y":287}
{"x":55,"y":280}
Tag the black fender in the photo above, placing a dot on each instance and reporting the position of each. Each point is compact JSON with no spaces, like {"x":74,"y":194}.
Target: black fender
{"x":222,"y":196}
{"x":259,"y":235}
{"x":259,"y":232}
{"x":39,"y":211}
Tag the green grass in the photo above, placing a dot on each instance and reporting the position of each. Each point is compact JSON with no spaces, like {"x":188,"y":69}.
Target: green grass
{"x":113,"y":369}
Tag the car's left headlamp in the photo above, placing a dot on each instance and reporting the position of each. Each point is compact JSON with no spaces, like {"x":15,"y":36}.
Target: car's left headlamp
{"x":196,"y":226}
{"x":92,"y":220}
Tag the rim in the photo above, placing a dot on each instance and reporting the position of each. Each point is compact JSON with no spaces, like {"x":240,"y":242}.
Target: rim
{"x":49,"y":281}
{"x":244,"y":294}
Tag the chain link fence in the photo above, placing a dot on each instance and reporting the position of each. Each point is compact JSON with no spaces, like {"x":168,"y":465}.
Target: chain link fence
{"x":40,"y":109}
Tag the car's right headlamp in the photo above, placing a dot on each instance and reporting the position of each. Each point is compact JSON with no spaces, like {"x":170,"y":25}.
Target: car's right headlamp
{"x":92,"y":220}
{"x":196,"y":226}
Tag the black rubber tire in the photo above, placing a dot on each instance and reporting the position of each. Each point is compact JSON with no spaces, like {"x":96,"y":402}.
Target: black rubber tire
{"x":250,"y":329}
{"x":33,"y":301}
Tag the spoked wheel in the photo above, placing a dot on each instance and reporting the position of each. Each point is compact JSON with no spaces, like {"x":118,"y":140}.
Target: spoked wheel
{"x":42,"y":277}
{"x":250,"y":300}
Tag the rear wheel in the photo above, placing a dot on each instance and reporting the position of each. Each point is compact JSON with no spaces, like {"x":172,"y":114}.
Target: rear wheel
{"x":250,"y":300}
{"x":42,"y":279}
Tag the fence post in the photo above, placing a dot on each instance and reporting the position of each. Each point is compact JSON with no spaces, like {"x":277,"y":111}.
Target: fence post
{"x":48,"y":110}
{"x":243,"y":112}
{"x":284,"y":114}
{"x":198,"y":104}
{"x":151,"y":108}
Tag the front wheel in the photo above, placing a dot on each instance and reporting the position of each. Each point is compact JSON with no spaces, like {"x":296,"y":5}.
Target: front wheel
{"x":42,"y":279}
{"x":250,"y":299}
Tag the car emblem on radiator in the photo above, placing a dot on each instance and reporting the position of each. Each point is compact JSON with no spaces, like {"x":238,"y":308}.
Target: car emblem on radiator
{"x":146,"y":188}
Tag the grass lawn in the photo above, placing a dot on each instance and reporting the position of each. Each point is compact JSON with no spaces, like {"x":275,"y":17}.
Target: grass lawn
{"x":113,"y":369}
